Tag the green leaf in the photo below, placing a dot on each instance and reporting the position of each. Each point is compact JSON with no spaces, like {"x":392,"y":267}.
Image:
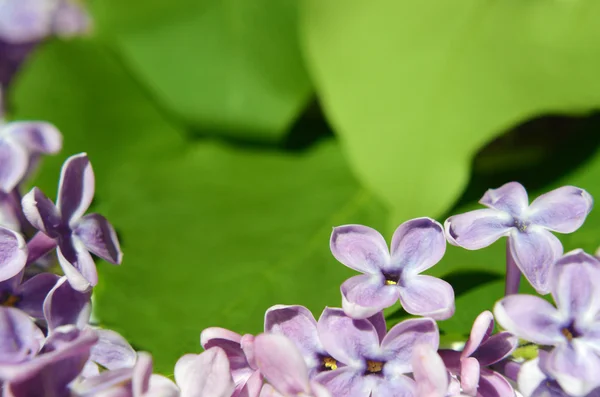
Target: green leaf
{"x":212,"y":234}
{"x":225,"y":66}
{"x":415,"y":88}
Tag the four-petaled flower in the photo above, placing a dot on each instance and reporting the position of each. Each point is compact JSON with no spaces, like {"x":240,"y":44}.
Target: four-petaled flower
{"x":416,"y":246}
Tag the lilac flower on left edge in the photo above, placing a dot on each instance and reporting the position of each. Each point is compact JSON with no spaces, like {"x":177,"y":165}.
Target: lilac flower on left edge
{"x":416,"y":246}
{"x":64,"y":226}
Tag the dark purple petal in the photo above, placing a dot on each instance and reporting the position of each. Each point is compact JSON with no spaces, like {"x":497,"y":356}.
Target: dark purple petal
{"x":33,"y":292}
{"x":345,"y":339}
{"x":496,"y":348}
{"x":36,"y":136}
{"x":427,"y":296}
{"x":112,"y":351}
{"x":206,"y":374}
{"x":41,"y":212}
{"x":562,"y":210}
{"x":510,"y":198}
{"x":482,"y":329}
{"x":429,"y":372}
{"x":535,"y":252}
{"x":360,"y":248}
{"x":478,"y":229}
{"x":77,"y":264}
{"x":20,"y":338}
{"x":345,"y":382}
{"x":13,"y":164}
{"x":575,"y":367}
{"x":13,"y":253}
{"x":531,"y":318}
{"x":400,"y":341}
{"x":417,"y":245}
{"x":492,"y":384}
{"x":99,"y":237}
{"x":230,"y":343}
{"x":365,"y":295}
{"x":469,"y":375}
{"x":76,"y":187}
{"x":282,"y":364}
{"x":576,"y":279}
{"x":65,"y":305}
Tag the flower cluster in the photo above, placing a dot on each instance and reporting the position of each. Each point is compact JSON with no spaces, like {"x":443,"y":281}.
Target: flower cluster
{"x":49,"y":348}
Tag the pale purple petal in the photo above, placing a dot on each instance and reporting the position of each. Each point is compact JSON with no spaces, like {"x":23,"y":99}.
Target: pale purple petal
{"x":510,"y":198}
{"x":77,"y":264}
{"x":429,"y":372}
{"x":65,"y":305}
{"x":141,"y":374}
{"x":530,"y":378}
{"x":478,"y":229}
{"x":398,"y":344}
{"x":345,"y":339}
{"x":378,"y":321}
{"x":251,"y":387}
{"x":20,"y":338}
{"x":319,"y":390}
{"x":365,"y":295}
{"x":493,"y":384}
{"x":115,"y":383}
{"x":36,"y":136}
{"x":562,"y":210}
{"x":268,"y":391}
{"x":76,"y":187}
{"x":33,"y":292}
{"x":247,"y":345}
{"x":13,"y":253}
{"x":24,"y":21}
{"x":496,"y":348}
{"x":417,"y":245}
{"x":230,"y":343}
{"x":576,"y":277}
{"x":13,"y":165}
{"x":360,"y":248}
{"x":482,"y":329}
{"x":282,"y":364}
{"x":535,"y":252}
{"x":531,"y":318}
{"x":397,"y":386}
{"x":206,"y":374}
{"x":112,"y":351}
{"x":469,"y":375}
{"x":575,"y":367}
{"x":160,"y":386}
{"x":70,"y":19}
{"x":41,"y":212}
{"x":427,"y":296}
{"x":99,"y":237}
{"x":345,"y":382}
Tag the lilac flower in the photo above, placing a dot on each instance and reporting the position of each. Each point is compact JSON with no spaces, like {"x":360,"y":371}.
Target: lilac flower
{"x":372,"y":366}
{"x":431,"y":375}
{"x":481,"y":350}
{"x":528,"y":227}
{"x":573,"y":327}
{"x":29,"y":295}
{"x":74,"y":234}
{"x":416,"y":246}
{"x":240,"y":353}
{"x":282,"y":364}
{"x":20,"y":338}
{"x":13,"y":254}
{"x":205,"y":375}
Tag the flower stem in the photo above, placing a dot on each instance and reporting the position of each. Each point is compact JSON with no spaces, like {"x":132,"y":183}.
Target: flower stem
{"x":513,"y":274}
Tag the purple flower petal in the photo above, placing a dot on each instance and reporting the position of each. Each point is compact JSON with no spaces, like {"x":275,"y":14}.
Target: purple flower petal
{"x":427,"y":296}
{"x":493,"y":384}
{"x":417,"y":245}
{"x":535,"y":252}
{"x":346,"y":339}
{"x":251,"y":387}
{"x":141,"y":374}
{"x":70,"y":19}
{"x":469,"y":375}
{"x":112,"y":351}
{"x":99,"y":237}
{"x":365,"y":295}
{"x":400,"y":341}
{"x":13,"y":253}
{"x":23,"y":21}
{"x":345,"y":382}
{"x":531,"y":377}
{"x":429,"y":372}
{"x":482,"y":329}
{"x":576,"y":277}
{"x":77,"y":264}
{"x":13,"y":165}
{"x":40,"y":211}
{"x":230,"y":343}
{"x":360,"y":248}
{"x":33,"y":292}
{"x":247,"y":345}
{"x":282,"y":364}
{"x":496,"y":348}
{"x":531,"y":318}
{"x":76,"y":187}
{"x":478,"y":229}
{"x":510,"y":197}
{"x":36,"y":136}
{"x":20,"y":338}
{"x":575,"y":367}
{"x":65,"y":305}
{"x":398,"y":386}
{"x":206,"y":374}
{"x":113,"y":383}
{"x":378,"y":321}
{"x":562,"y":210}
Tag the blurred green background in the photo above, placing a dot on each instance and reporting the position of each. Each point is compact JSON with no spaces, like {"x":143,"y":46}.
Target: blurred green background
{"x":229,"y":136}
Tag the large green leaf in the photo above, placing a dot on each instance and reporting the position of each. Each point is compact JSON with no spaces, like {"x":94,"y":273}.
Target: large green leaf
{"x":225,"y":66}
{"x":415,"y":88}
{"x":212,"y":234}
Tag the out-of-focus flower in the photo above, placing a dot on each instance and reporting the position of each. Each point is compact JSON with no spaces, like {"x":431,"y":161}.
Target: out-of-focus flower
{"x":528,"y":227}
{"x":13,"y":254}
{"x":205,"y":375}
{"x":431,"y":375}
{"x":20,"y":338}
{"x":239,"y":351}
{"x":28,"y":296}
{"x":74,"y":235}
{"x":573,"y":327}
{"x":416,"y":246}
{"x":481,"y":350}
{"x":372,"y":366}
{"x":281,"y":363}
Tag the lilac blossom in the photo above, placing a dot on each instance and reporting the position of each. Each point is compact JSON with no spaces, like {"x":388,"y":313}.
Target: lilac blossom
{"x":27,"y":295}
{"x":431,"y":375}
{"x":416,"y":246}
{"x":373,"y":367}
{"x":13,"y":254}
{"x":283,"y":366}
{"x":482,"y":350}
{"x":300,"y":326}
{"x":530,"y":243}
{"x":572,"y":327}
{"x":20,"y":338}
{"x":65,"y":226}
{"x":240,"y":353}
{"x":205,"y":375}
